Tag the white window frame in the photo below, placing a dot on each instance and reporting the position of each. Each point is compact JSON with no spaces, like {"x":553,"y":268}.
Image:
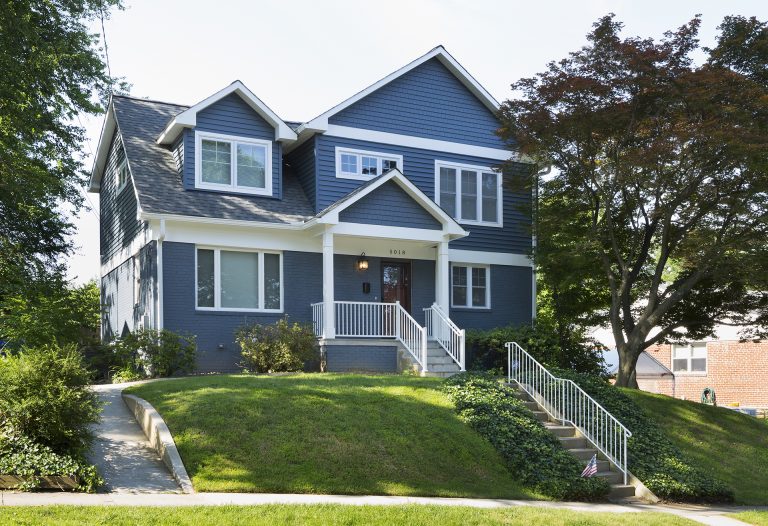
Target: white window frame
{"x":217,"y":280}
{"x":233,"y":141}
{"x":123,"y":165}
{"x":469,"y":267}
{"x":689,"y":348}
{"x":499,"y":223}
{"x":359,"y":176}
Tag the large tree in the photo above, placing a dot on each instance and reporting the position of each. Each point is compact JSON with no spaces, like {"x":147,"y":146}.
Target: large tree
{"x":51,"y":70}
{"x":659,"y":190}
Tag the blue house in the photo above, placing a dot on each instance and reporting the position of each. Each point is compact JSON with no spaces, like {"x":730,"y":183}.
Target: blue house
{"x":384,"y":222}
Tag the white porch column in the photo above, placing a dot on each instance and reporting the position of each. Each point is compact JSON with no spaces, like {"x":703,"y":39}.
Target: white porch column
{"x":442,"y":277}
{"x":329,"y":315}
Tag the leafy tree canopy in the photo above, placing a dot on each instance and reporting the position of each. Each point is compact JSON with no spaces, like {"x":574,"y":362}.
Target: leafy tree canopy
{"x":659,"y":193}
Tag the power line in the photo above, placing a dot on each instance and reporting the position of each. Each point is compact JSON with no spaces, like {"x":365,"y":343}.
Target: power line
{"x":106,"y":47}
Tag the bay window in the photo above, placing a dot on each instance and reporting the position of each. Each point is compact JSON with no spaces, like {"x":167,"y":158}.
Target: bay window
{"x":469,"y":194}
{"x":359,"y":164}
{"x":238,"y":280}
{"x":236,"y":164}
{"x":470,"y":286}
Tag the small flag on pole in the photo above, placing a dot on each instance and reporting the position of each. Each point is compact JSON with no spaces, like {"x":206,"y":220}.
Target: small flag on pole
{"x":591,"y":468}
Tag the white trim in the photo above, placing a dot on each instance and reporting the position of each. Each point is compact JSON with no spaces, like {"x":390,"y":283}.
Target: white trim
{"x":217,"y":280}
{"x":469,"y":268}
{"x":479,"y":170}
{"x":160,"y":302}
{"x":689,"y":348}
{"x":379,"y":156}
{"x":300,"y":225}
{"x":102,"y":150}
{"x":490,"y":258}
{"x":125,"y":253}
{"x":423,"y":143}
{"x":188,"y":118}
{"x":233,"y":141}
{"x":123,"y":164}
{"x":320,"y":123}
{"x":388,"y":232}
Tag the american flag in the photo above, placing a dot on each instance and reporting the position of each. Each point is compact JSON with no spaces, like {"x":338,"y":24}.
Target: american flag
{"x":591,"y":468}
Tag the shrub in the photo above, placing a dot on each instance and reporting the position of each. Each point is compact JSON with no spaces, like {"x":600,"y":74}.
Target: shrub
{"x":150,"y":353}
{"x":652,"y":457}
{"x":23,"y":457}
{"x":531,"y":452}
{"x":282,"y":346}
{"x":540,"y":341}
{"x":45,"y":396}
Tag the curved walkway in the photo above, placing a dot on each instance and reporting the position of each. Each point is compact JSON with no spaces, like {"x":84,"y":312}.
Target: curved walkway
{"x":121,"y":451}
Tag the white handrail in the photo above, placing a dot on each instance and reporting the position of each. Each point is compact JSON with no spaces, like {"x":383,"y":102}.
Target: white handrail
{"x":446,"y":333}
{"x":318,"y":318}
{"x":567,"y":402}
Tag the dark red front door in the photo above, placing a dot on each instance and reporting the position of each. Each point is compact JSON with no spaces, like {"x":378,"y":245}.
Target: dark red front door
{"x":396,"y":283}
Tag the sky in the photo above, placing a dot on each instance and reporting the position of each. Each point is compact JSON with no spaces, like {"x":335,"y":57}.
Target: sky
{"x":303,"y":57}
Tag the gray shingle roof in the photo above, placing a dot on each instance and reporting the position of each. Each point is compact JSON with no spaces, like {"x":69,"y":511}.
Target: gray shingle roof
{"x":159,"y":185}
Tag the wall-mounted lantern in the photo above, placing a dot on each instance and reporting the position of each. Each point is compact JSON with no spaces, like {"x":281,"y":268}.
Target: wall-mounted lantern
{"x":362,"y":262}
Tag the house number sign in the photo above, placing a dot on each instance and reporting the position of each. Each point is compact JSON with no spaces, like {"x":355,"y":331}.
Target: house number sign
{"x":396,"y":252}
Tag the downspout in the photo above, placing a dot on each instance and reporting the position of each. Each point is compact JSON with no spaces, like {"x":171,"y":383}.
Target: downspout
{"x":160,"y":238}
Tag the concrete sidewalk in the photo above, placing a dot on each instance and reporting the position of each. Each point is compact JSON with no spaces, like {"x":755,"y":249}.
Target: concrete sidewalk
{"x":121,"y":452}
{"x":702,"y":514}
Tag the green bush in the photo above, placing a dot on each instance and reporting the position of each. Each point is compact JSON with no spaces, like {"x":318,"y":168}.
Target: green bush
{"x":652,"y":457}
{"x":531,"y":452}
{"x":150,"y":353}
{"x":279,"y":347}
{"x":541,"y":341}
{"x":45,"y":396}
{"x":23,"y":457}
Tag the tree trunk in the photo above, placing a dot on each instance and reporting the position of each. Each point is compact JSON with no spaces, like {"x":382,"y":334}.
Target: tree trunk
{"x":626,"y":376}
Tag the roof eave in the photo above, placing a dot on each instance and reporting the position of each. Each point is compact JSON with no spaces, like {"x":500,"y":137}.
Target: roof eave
{"x":102,"y":151}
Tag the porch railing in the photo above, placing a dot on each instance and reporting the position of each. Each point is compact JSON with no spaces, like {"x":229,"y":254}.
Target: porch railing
{"x":440,"y":327}
{"x":567,"y":402}
{"x":362,"y":319}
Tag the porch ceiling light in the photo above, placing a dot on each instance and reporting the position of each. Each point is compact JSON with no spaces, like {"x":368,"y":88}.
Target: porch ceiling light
{"x":362,"y":262}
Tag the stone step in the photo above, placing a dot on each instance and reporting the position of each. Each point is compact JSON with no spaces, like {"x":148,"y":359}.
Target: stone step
{"x":602,"y":465}
{"x":613,"y":477}
{"x":533,"y":406}
{"x":560,"y":431}
{"x":621,"y":491}
{"x":443,"y":367}
{"x":541,"y":416}
{"x":584,"y":453}
{"x":439,"y":374}
{"x":440,"y":359}
{"x":573,"y":442}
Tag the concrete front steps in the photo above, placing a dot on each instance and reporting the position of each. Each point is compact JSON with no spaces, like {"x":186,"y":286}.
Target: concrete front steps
{"x":439,"y":362}
{"x":580,"y":448}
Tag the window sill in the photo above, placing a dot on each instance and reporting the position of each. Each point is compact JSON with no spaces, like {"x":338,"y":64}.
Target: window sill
{"x":237,"y":311}
{"x":356,"y":177}
{"x":471,"y":309}
{"x":233,"y":191}
{"x":686,"y":373}
{"x":479,"y":223}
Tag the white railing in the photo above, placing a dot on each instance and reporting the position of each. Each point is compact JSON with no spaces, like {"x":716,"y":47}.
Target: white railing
{"x":567,"y":402}
{"x":362,"y":319}
{"x":440,"y":327}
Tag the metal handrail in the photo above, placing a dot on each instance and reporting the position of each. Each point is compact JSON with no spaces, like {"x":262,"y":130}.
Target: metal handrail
{"x":447,"y":334}
{"x":568,"y":403}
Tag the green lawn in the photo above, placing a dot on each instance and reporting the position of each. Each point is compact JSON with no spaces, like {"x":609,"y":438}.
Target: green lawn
{"x":731,"y":446}
{"x":758,"y":518}
{"x":326,"y":514}
{"x":330,"y":434}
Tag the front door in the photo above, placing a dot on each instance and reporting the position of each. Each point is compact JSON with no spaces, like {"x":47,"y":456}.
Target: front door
{"x":396,"y":283}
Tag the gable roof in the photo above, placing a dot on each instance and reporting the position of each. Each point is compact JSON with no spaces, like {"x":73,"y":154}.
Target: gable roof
{"x":320,"y":123}
{"x":188,"y":117}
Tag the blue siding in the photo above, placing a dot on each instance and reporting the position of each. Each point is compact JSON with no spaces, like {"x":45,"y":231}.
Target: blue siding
{"x":302,"y":276}
{"x":347,"y":358}
{"x":389,"y":205}
{"x":419,"y":167}
{"x":511,"y":301}
{"x":428,"y":101}
{"x":302,"y":162}
{"x":232,"y":116}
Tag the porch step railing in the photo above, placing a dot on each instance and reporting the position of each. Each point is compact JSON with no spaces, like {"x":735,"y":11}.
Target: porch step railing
{"x":565,"y":401}
{"x":440,"y":327}
{"x":363,"y":319}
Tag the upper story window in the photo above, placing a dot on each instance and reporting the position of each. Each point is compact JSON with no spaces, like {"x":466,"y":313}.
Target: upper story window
{"x":237,"y":164}
{"x":689,"y":358}
{"x":122,"y":176}
{"x":358,"y":164}
{"x":470,"y":286}
{"x":470,"y":194}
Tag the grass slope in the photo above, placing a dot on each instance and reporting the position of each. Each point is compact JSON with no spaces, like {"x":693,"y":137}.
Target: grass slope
{"x":343,"y":434}
{"x":758,"y":518}
{"x":412,"y":515}
{"x":730,"y":446}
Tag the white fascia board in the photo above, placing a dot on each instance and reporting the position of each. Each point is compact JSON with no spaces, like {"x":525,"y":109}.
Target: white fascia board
{"x":387,"y":232}
{"x":489,"y":258}
{"x":220,"y":221}
{"x":188,"y":118}
{"x":320,"y":123}
{"x":102,"y":151}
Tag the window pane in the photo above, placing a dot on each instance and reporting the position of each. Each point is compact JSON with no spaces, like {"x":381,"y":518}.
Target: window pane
{"x":699,"y":365}
{"x":490,"y":198}
{"x":216,"y":162}
{"x":271,"y":281}
{"x":478,"y":287}
{"x":370,"y":165}
{"x":387,"y":165}
{"x":459,"y":285}
{"x":699,"y":350}
{"x":468,"y":195}
{"x":205,"y":282}
{"x":251,"y":165}
{"x":239,"y":280}
{"x":679,"y":364}
{"x":348,"y":163}
{"x":448,"y":190}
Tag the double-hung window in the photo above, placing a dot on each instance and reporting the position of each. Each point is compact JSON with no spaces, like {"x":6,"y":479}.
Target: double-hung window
{"x":122,"y":175}
{"x":689,"y":358}
{"x":358,"y":164}
{"x":237,"y":164}
{"x":238,"y":280}
{"x":470,"y":286}
{"x":469,"y":194}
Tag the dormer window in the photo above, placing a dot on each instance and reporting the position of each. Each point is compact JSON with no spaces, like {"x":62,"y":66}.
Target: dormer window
{"x":122,"y":175}
{"x":359,"y":164}
{"x":235,"y":164}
